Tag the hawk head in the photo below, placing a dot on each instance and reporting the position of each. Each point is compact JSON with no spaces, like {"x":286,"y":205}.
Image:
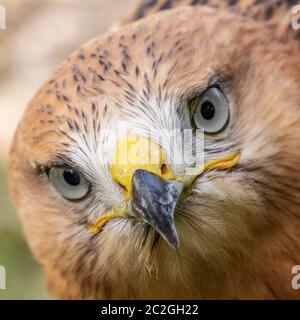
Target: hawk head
{"x":164,"y":228}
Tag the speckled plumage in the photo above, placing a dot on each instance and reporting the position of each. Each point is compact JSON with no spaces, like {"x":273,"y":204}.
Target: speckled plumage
{"x":275,"y":14}
{"x":239,"y":230}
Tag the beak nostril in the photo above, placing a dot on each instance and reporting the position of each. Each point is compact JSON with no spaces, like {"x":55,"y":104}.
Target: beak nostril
{"x":164,"y":169}
{"x":166,"y":172}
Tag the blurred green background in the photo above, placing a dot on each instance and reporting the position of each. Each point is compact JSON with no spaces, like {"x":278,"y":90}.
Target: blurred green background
{"x":24,"y":279}
{"x":40,"y":34}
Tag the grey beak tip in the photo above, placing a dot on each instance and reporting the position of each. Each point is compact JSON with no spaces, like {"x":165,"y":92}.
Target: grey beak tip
{"x":154,"y":201}
{"x":169,"y":234}
{"x":174,"y":244}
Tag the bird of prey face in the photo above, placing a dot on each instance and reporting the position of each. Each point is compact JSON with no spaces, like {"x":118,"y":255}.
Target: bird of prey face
{"x":144,"y":229}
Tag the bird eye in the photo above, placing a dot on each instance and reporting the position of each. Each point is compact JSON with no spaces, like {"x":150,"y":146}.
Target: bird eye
{"x":69,"y":182}
{"x":211,"y":111}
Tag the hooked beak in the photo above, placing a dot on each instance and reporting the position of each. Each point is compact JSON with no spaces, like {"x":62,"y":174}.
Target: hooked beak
{"x":154,"y":201}
{"x":152,"y":195}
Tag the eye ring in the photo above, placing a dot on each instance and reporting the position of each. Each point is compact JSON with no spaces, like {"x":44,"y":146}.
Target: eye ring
{"x":69,"y":182}
{"x":210,"y":111}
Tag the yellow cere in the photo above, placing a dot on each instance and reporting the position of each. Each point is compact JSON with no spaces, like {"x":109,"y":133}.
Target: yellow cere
{"x":134,"y":153}
{"x":137,"y":152}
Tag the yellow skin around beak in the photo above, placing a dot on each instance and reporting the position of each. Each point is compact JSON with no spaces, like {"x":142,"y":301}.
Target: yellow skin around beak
{"x":137,"y":152}
{"x":134,"y":153}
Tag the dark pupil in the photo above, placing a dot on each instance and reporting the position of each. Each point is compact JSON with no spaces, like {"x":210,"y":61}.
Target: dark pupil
{"x":71,"y":177}
{"x":207,"y":110}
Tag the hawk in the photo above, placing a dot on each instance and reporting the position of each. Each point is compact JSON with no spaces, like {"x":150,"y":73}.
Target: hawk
{"x":139,"y":229}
